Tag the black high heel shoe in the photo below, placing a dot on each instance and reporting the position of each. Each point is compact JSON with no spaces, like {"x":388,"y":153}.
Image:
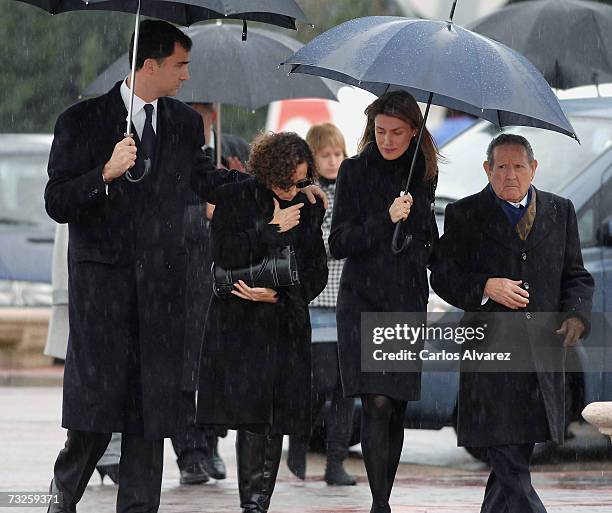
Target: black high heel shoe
{"x":112,"y":471}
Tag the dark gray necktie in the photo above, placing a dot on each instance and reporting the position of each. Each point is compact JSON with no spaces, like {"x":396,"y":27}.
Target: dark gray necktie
{"x":148,"y":134}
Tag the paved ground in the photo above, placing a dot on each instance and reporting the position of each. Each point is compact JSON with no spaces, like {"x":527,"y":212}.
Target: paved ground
{"x":435,"y":476}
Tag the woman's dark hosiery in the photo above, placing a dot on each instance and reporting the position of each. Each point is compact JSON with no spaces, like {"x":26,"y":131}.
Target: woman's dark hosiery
{"x":382,"y":437}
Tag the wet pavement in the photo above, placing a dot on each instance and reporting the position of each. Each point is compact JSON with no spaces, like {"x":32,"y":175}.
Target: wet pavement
{"x":435,"y":476}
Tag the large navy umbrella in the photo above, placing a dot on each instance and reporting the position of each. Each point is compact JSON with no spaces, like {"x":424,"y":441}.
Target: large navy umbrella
{"x":569,"y":41}
{"x":437,"y":62}
{"x":225,"y":69}
{"x":458,"y":68}
{"x":283,"y":13}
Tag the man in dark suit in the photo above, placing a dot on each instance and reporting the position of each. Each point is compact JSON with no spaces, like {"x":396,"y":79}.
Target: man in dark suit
{"x":126,"y":261}
{"x":235,"y":150}
{"x":196,"y":446}
{"x":510,"y":257}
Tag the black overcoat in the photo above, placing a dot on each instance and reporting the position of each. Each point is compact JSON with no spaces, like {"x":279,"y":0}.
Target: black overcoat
{"x":126,"y":260}
{"x":373,"y":278}
{"x":199,"y":286}
{"x":198,"y":289}
{"x":255,"y":365}
{"x":498,"y":408}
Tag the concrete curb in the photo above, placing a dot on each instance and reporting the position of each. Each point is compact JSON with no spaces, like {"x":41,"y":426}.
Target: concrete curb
{"x":34,"y":377}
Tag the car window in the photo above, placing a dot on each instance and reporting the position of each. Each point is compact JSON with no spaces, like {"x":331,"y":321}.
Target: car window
{"x":586,"y":225}
{"x":560,"y":158}
{"x":22,"y":185}
{"x":606,"y":197}
{"x":598,"y":208}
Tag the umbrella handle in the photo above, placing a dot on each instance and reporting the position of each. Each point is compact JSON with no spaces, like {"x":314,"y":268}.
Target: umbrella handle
{"x":218,"y":136}
{"x":128,"y":127}
{"x":147,"y":162}
{"x":396,"y":246}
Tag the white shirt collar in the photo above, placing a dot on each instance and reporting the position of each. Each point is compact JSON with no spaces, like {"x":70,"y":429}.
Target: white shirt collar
{"x":139,"y":103}
{"x":211,"y":143}
{"x":522,"y":202}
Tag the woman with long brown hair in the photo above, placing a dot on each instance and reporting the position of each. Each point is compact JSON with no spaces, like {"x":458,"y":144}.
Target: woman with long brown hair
{"x":367,"y":208}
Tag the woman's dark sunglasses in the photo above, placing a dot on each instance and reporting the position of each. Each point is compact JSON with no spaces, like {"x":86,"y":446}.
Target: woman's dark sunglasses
{"x":305,"y":182}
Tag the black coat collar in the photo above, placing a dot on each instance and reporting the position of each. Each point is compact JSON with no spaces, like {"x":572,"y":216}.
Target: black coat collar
{"x":494,"y":222}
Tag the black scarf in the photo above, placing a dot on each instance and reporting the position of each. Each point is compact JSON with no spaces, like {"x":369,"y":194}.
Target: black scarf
{"x":398,"y":168}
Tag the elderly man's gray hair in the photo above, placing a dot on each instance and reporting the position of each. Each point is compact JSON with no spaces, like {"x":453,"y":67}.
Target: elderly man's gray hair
{"x":504,"y":139}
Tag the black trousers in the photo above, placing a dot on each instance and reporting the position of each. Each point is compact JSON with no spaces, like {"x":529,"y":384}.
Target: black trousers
{"x":509,"y":488}
{"x":326,"y":383}
{"x":190,"y":444}
{"x":140,"y":470}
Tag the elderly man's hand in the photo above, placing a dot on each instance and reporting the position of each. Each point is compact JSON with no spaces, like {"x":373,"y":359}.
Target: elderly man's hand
{"x":572,"y":328}
{"x":507,"y":292}
{"x":313,"y":192}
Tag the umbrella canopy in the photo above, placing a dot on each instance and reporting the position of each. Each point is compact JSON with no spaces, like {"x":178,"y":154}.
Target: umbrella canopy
{"x":437,"y":61}
{"x":225,"y":69}
{"x":185,"y":12}
{"x":569,"y":41}
{"x":283,"y":13}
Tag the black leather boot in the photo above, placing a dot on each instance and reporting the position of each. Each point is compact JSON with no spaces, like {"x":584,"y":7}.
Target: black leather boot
{"x":335,"y":474}
{"x":274,"y":450}
{"x":258,"y":457}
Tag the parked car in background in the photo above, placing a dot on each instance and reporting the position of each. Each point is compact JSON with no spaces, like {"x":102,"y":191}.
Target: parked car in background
{"x":26,"y":243}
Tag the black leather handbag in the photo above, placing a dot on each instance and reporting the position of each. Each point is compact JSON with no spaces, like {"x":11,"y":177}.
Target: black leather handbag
{"x":279,"y":269}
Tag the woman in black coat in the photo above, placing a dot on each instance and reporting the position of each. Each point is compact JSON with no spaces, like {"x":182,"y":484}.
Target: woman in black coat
{"x":255,"y":368}
{"x":367,"y":208}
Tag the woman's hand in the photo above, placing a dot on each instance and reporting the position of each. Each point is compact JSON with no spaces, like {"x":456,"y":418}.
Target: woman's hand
{"x":286,"y":218}
{"x":260,"y":294}
{"x":400,"y":208}
{"x":313,"y":192}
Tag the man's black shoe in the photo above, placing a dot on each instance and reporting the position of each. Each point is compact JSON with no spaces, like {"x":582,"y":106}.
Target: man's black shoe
{"x":194,"y":474}
{"x":214,"y":465}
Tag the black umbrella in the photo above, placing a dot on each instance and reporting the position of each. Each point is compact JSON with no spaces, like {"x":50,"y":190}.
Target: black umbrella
{"x":569,"y":41}
{"x":437,"y":62}
{"x":225,"y":70}
{"x":283,"y":13}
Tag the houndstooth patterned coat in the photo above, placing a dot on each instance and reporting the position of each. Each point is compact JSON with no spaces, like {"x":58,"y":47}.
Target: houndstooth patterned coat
{"x":327,"y":298}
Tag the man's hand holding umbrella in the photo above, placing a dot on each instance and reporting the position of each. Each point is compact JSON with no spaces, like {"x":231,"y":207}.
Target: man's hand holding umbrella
{"x":122,"y":159}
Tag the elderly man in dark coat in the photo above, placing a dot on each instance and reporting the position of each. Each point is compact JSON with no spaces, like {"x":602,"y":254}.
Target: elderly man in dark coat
{"x":510,"y":257}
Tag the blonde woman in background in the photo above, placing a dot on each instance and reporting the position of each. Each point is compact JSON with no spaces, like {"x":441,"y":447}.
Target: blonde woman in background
{"x":329,"y":150}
